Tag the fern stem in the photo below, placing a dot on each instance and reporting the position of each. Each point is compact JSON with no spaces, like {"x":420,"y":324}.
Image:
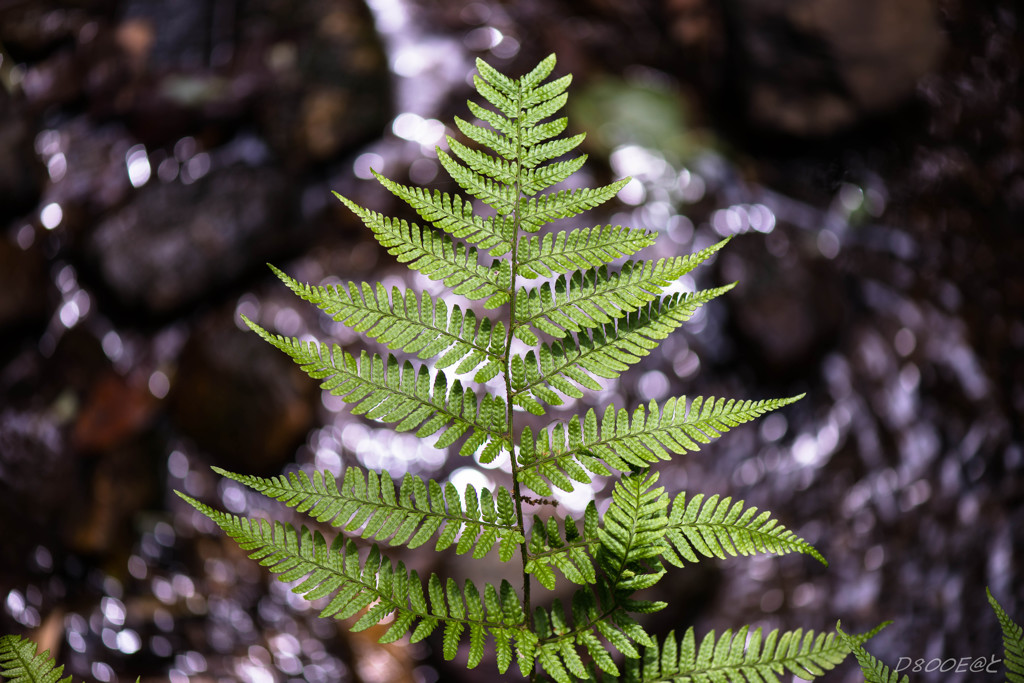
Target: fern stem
{"x":514,"y":267}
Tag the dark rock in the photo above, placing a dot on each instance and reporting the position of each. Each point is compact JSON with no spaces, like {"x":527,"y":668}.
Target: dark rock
{"x":240,"y":399}
{"x":21,"y":174}
{"x":175,"y":244}
{"x":331,"y":91}
{"x":786,"y":311}
{"x":37,"y":485}
{"x":812,"y":68}
{"x":23,"y":286}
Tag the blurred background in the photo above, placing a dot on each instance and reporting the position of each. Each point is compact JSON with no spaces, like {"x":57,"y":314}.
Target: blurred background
{"x":154,"y":155}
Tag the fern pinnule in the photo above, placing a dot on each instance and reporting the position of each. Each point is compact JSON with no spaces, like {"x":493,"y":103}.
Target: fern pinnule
{"x":717,"y":527}
{"x":566,"y":451}
{"x":421,"y":325}
{"x":558,"y":252}
{"x":417,"y":511}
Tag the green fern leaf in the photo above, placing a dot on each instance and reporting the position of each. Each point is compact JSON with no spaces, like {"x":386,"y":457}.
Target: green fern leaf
{"x":452,"y":214}
{"x":415,"y":513}
{"x":599,"y":625}
{"x":587,"y":299}
{"x":623,"y":442}
{"x":873,"y":669}
{"x":19,"y":662}
{"x":608,"y":350}
{"x":389,"y":392}
{"x":632,"y":533}
{"x":570,"y":554}
{"x":371,"y":589}
{"x":715,"y":527}
{"x":578,"y":249}
{"x":604,"y":318}
{"x":438,"y":257}
{"x":746,"y":655}
{"x":1013,"y":641}
{"x":538,"y":211}
{"x":424,"y":326}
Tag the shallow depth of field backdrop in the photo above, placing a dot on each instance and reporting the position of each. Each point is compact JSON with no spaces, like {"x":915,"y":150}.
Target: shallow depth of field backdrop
{"x":154,"y":155}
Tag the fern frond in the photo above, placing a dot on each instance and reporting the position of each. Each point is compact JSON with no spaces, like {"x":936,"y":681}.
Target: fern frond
{"x":533,"y":180}
{"x":874,"y":670}
{"x":419,"y":510}
{"x":536,"y":212}
{"x":589,"y":298}
{"x":608,"y":350}
{"x":438,"y":257}
{"x":1013,"y":641}
{"x":716,"y":527}
{"x":19,"y":662}
{"x":566,"y":452}
{"x":631,"y":536}
{"x":374,"y":588}
{"x":579,"y":249}
{"x":570,"y":554}
{"x":393,"y":393}
{"x":424,"y":326}
{"x":746,"y":655}
{"x":546,"y":151}
{"x":495,"y":194}
{"x":500,"y":170}
{"x":600,"y":625}
{"x":453,"y":215}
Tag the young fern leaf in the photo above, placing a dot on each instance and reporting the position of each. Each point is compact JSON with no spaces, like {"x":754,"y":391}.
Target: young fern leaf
{"x":438,"y":257}
{"x":874,"y":670}
{"x":600,"y":319}
{"x":631,"y":539}
{"x":566,"y":452}
{"x":746,"y":655}
{"x":589,"y":298}
{"x":373,"y":589}
{"x":570,"y":554}
{"x":388,"y":392}
{"x":717,"y":527}
{"x":20,"y":663}
{"x":418,"y":511}
{"x":404,"y":322}
{"x":606,"y":351}
{"x":1013,"y":641}
{"x":563,"y":251}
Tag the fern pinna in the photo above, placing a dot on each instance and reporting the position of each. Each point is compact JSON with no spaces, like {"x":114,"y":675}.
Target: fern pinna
{"x":555,"y":318}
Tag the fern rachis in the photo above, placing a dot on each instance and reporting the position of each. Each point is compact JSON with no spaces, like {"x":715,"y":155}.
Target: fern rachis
{"x":582,"y":322}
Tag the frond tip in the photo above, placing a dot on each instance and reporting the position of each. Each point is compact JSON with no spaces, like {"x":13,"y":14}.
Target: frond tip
{"x":716,"y":527}
{"x":1013,"y":641}
{"x":873,"y":669}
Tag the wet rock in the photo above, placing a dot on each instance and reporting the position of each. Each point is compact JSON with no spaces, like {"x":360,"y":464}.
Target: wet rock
{"x":23,"y":286}
{"x":787,"y":311}
{"x":114,"y":410}
{"x":37,"y":485}
{"x":176,"y":244}
{"x":21,"y":174}
{"x":811,"y":68}
{"x":240,"y":399}
{"x":330,"y":91}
